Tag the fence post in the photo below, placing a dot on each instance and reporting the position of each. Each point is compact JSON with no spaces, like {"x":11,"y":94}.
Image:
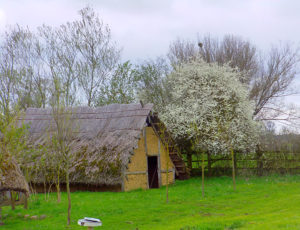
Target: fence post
{"x":189,"y":161}
{"x":259,"y":160}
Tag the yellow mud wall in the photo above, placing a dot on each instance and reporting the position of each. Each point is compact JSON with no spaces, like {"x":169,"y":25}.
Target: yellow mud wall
{"x":152,"y":142}
{"x":136,"y":176}
{"x":138,"y":164}
{"x":164,"y":159}
{"x":152,"y":145}
{"x":136,"y":181}
{"x":164,"y":178}
{"x":138,"y":161}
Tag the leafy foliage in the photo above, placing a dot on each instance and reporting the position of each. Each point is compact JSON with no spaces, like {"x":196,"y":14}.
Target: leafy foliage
{"x":120,"y":87}
{"x":152,"y":86}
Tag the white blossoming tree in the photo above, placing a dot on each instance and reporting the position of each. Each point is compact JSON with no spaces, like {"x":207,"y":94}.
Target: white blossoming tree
{"x":210,"y":107}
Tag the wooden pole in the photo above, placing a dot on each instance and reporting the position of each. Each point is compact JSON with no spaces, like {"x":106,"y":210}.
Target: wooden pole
{"x":26,"y":196}
{"x":202,"y":173}
{"x":233,"y":168}
{"x":209,"y":164}
{"x":167,"y":185}
{"x":68,"y":192}
{"x":58,"y":188}
{"x":235,"y":163}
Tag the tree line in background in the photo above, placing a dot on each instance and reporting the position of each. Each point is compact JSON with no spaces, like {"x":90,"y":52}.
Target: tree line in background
{"x":82,"y":59}
{"x":214,"y":95}
{"x":81,"y":64}
{"x":77,"y":60}
{"x":276,"y":154}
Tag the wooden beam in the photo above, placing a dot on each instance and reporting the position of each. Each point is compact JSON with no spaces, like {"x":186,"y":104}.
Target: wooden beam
{"x":165,"y":171}
{"x":136,"y":173}
{"x":145,"y":140}
{"x":146,"y":151}
{"x":159,"y":163}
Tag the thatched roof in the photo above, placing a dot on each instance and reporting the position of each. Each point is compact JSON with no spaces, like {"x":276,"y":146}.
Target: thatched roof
{"x":104,"y":138}
{"x":11,"y":177}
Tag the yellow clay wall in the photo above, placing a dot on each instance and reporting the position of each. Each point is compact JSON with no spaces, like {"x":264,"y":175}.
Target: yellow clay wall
{"x":136,"y":175}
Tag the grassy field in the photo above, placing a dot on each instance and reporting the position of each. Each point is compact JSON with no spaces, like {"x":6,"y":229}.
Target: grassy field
{"x":258,"y":203}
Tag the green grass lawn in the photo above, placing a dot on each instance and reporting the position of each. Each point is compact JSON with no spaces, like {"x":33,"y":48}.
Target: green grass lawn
{"x":258,"y":203}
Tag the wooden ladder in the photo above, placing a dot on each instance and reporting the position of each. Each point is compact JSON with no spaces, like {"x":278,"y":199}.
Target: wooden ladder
{"x":181,"y":171}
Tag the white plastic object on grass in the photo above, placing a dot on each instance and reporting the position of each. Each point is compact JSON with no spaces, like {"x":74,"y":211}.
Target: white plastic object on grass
{"x":92,"y":219}
{"x":90,"y":222}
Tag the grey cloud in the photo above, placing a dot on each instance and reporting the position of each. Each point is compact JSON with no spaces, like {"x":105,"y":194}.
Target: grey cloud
{"x":145,"y":28}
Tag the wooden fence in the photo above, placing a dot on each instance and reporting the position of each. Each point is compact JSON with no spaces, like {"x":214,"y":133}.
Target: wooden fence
{"x":263,"y":163}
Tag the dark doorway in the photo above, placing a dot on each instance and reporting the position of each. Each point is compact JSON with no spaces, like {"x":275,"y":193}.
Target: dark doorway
{"x":152,"y":172}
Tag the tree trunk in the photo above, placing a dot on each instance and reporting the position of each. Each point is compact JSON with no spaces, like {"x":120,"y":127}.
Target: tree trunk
{"x":202,"y":174}
{"x":1,"y":223}
{"x":26,"y":197}
{"x":26,"y":202}
{"x":45,"y":190}
{"x":235,"y":164}
{"x":233,"y":168}
{"x":167,"y":185}
{"x":209,"y":172}
{"x":69,"y":195}
{"x":58,"y":190}
{"x":58,"y":193}
{"x":12,"y":200}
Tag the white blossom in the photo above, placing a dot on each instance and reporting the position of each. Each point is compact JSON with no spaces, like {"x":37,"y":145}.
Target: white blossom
{"x":212,"y":99}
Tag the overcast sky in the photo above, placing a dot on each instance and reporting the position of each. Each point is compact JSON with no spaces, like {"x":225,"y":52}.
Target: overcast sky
{"x":145,"y":28}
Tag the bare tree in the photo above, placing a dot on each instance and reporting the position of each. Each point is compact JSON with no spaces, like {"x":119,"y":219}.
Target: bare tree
{"x":152,"y":86}
{"x":268,"y":77}
{"x":273,"y":78}
{"x":10,"y":70}
{"x":59,"y":55}
{"x":235,"y":51}
{"x":182,"y":51}
{"x":98,"y":54}
{"x":67,"y":59}
{"x":63,"y":135}
{"x":80,"y":54}
{"x":20,"y":68}
{"x":33,"y":89}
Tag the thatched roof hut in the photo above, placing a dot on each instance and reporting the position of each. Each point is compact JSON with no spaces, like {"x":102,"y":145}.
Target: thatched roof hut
{"x":11,"y":177}
{"x":106,"y":141}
